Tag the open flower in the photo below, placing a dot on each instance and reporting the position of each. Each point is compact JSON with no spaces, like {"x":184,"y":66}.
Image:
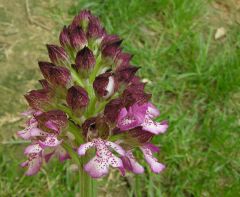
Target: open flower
{"x":99,"y":165}
{"x":141,"y":115}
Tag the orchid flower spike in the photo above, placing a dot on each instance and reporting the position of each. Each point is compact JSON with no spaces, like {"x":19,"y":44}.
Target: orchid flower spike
{"x":91,"y":104}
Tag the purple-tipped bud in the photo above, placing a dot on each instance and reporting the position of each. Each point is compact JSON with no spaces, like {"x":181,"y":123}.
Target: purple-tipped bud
{"x":110,"y":46}
{"x":38,"y":99}
{"x":134,"y":93}
{"x":85,"y":60}
{"x":81,"y":19}
{"x":57,"y":54}
{"x":104,"y":85}
{"x":52,"y":121}
{"x":123,"y":60}
{"x":64,"y":37}
{"x":78,"y":38}
{"x":44,"y":83}
{"x":77,"y":98}
{"x":56,"y":75}
{"x":112,"y":110}
{"x":95,"y":30}
{"x":126,"y":73}
{"x":95,"y":127}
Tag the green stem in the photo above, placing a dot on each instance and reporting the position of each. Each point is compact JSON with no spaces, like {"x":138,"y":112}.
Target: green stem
{"x":87,"y":184}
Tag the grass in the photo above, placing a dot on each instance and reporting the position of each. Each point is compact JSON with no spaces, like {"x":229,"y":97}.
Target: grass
{"x":194,"y":80}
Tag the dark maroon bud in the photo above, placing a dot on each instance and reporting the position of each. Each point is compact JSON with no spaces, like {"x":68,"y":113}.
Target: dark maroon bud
{"x":57,"y":54}
{"x":126,"y":163}
{"x":44,"y":83}
{"x":64,"y":37}
{"x":52,"y":121}
{"x":110,"y":39}
{"x":141,"y":135}
{"x":85,"y":60}
{"x":81,"y":19}
{"x":135,"y":94}
{"x":123,"y":60}
{"x":78,"y":38}
{"x":104,"y":85}
{"x":56,"y":75}
{"x":112,"y":49}
{"x":95,"y":30}
{"x":38,"y":99}
{"x":112,"y":110}
{"x":126,"y":73}
{"x":77,"y":98}
{"x":95,"y":127}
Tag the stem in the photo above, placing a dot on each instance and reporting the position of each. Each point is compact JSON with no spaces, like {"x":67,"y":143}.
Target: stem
{"x":87,"y":184}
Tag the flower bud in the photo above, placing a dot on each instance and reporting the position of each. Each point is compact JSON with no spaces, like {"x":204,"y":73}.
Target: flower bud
{"x":56,"y":75}
{"x":78,"y":38}
{"x":95,"y":127}
{"x":122,"y":60}
{"x":81,"y":19}
{"x":95,"y":30}
{"x":77,"y":98}
{"x":112,"y":110}
{"x":104,"y":85}
{"x":134,"y":93}
{"x":57,"y":55}
{"x":110,"y":46}
{"x":44,"y":83}
{"x":140,"y":135}
{"x":85,"y":61}
{"x":64,"y":38}
{"x":52,"y":121}
{"x":126,"y":73}
{"x":38,"y":99}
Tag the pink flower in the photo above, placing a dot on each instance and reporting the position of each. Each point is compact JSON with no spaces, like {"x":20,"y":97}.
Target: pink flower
{"x":141,"y":115}
{"x":131,"y":164}
{"x":99,"y":165}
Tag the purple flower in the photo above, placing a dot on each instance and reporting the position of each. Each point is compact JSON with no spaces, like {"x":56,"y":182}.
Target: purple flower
{"x":57,"y":54}
{"x":141,"y":115}
{"x":99,"y":165}
{"x":104,"y":85}
{"x":77,"y":98}
{"x":55,"y":75}
{"x":131,"y":164}
{"x":64,"y":38}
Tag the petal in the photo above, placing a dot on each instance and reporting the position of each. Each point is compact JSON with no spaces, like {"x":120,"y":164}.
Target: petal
{"x":29,"y":112}
{"x":152,"y":111}
{"x":33,"y":148}
{"x":62,"y":154}
{"x":37,"y":132}
{"x":97,"y":167}
{"x":133,"y":165}
{"x":34,"y":165}
{"x":25,"y":134}
{"x":48,"y":156}
{"x":154,"y":127}
{"x":116,"y":147}
{"x":156,"y":167}
{"x":152,"y":147}
{"x":84,"y":147}
{"x":139,"y":111}
{"x":126,"y":121}
{"x":50,"y":141}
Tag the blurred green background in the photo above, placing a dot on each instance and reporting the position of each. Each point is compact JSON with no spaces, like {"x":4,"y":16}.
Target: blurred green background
{"x":189,"y":51}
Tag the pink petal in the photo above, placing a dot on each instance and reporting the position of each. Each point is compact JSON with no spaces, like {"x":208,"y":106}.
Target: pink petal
{"x":62,"y":154}
{"x":84,"y":147}
{"x":133,"y":165}
{"x":152,"y":111}
{"x":25,"y":134}
{"x":152,"y":147}
{"x":37,"y":132}
{"x":33,"y":148}
{"x":97,"y":167}
{"x":50,"y":141}
{"x":34,"y":165}
{"x":116,"y":147}
{"x":154,"y":127}
{"x":48,"y":156}
{"x":29,"y":112}
{"x":156,"y":167}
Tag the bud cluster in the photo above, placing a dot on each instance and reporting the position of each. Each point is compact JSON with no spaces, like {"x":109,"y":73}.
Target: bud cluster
{"x":90,"y":98}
